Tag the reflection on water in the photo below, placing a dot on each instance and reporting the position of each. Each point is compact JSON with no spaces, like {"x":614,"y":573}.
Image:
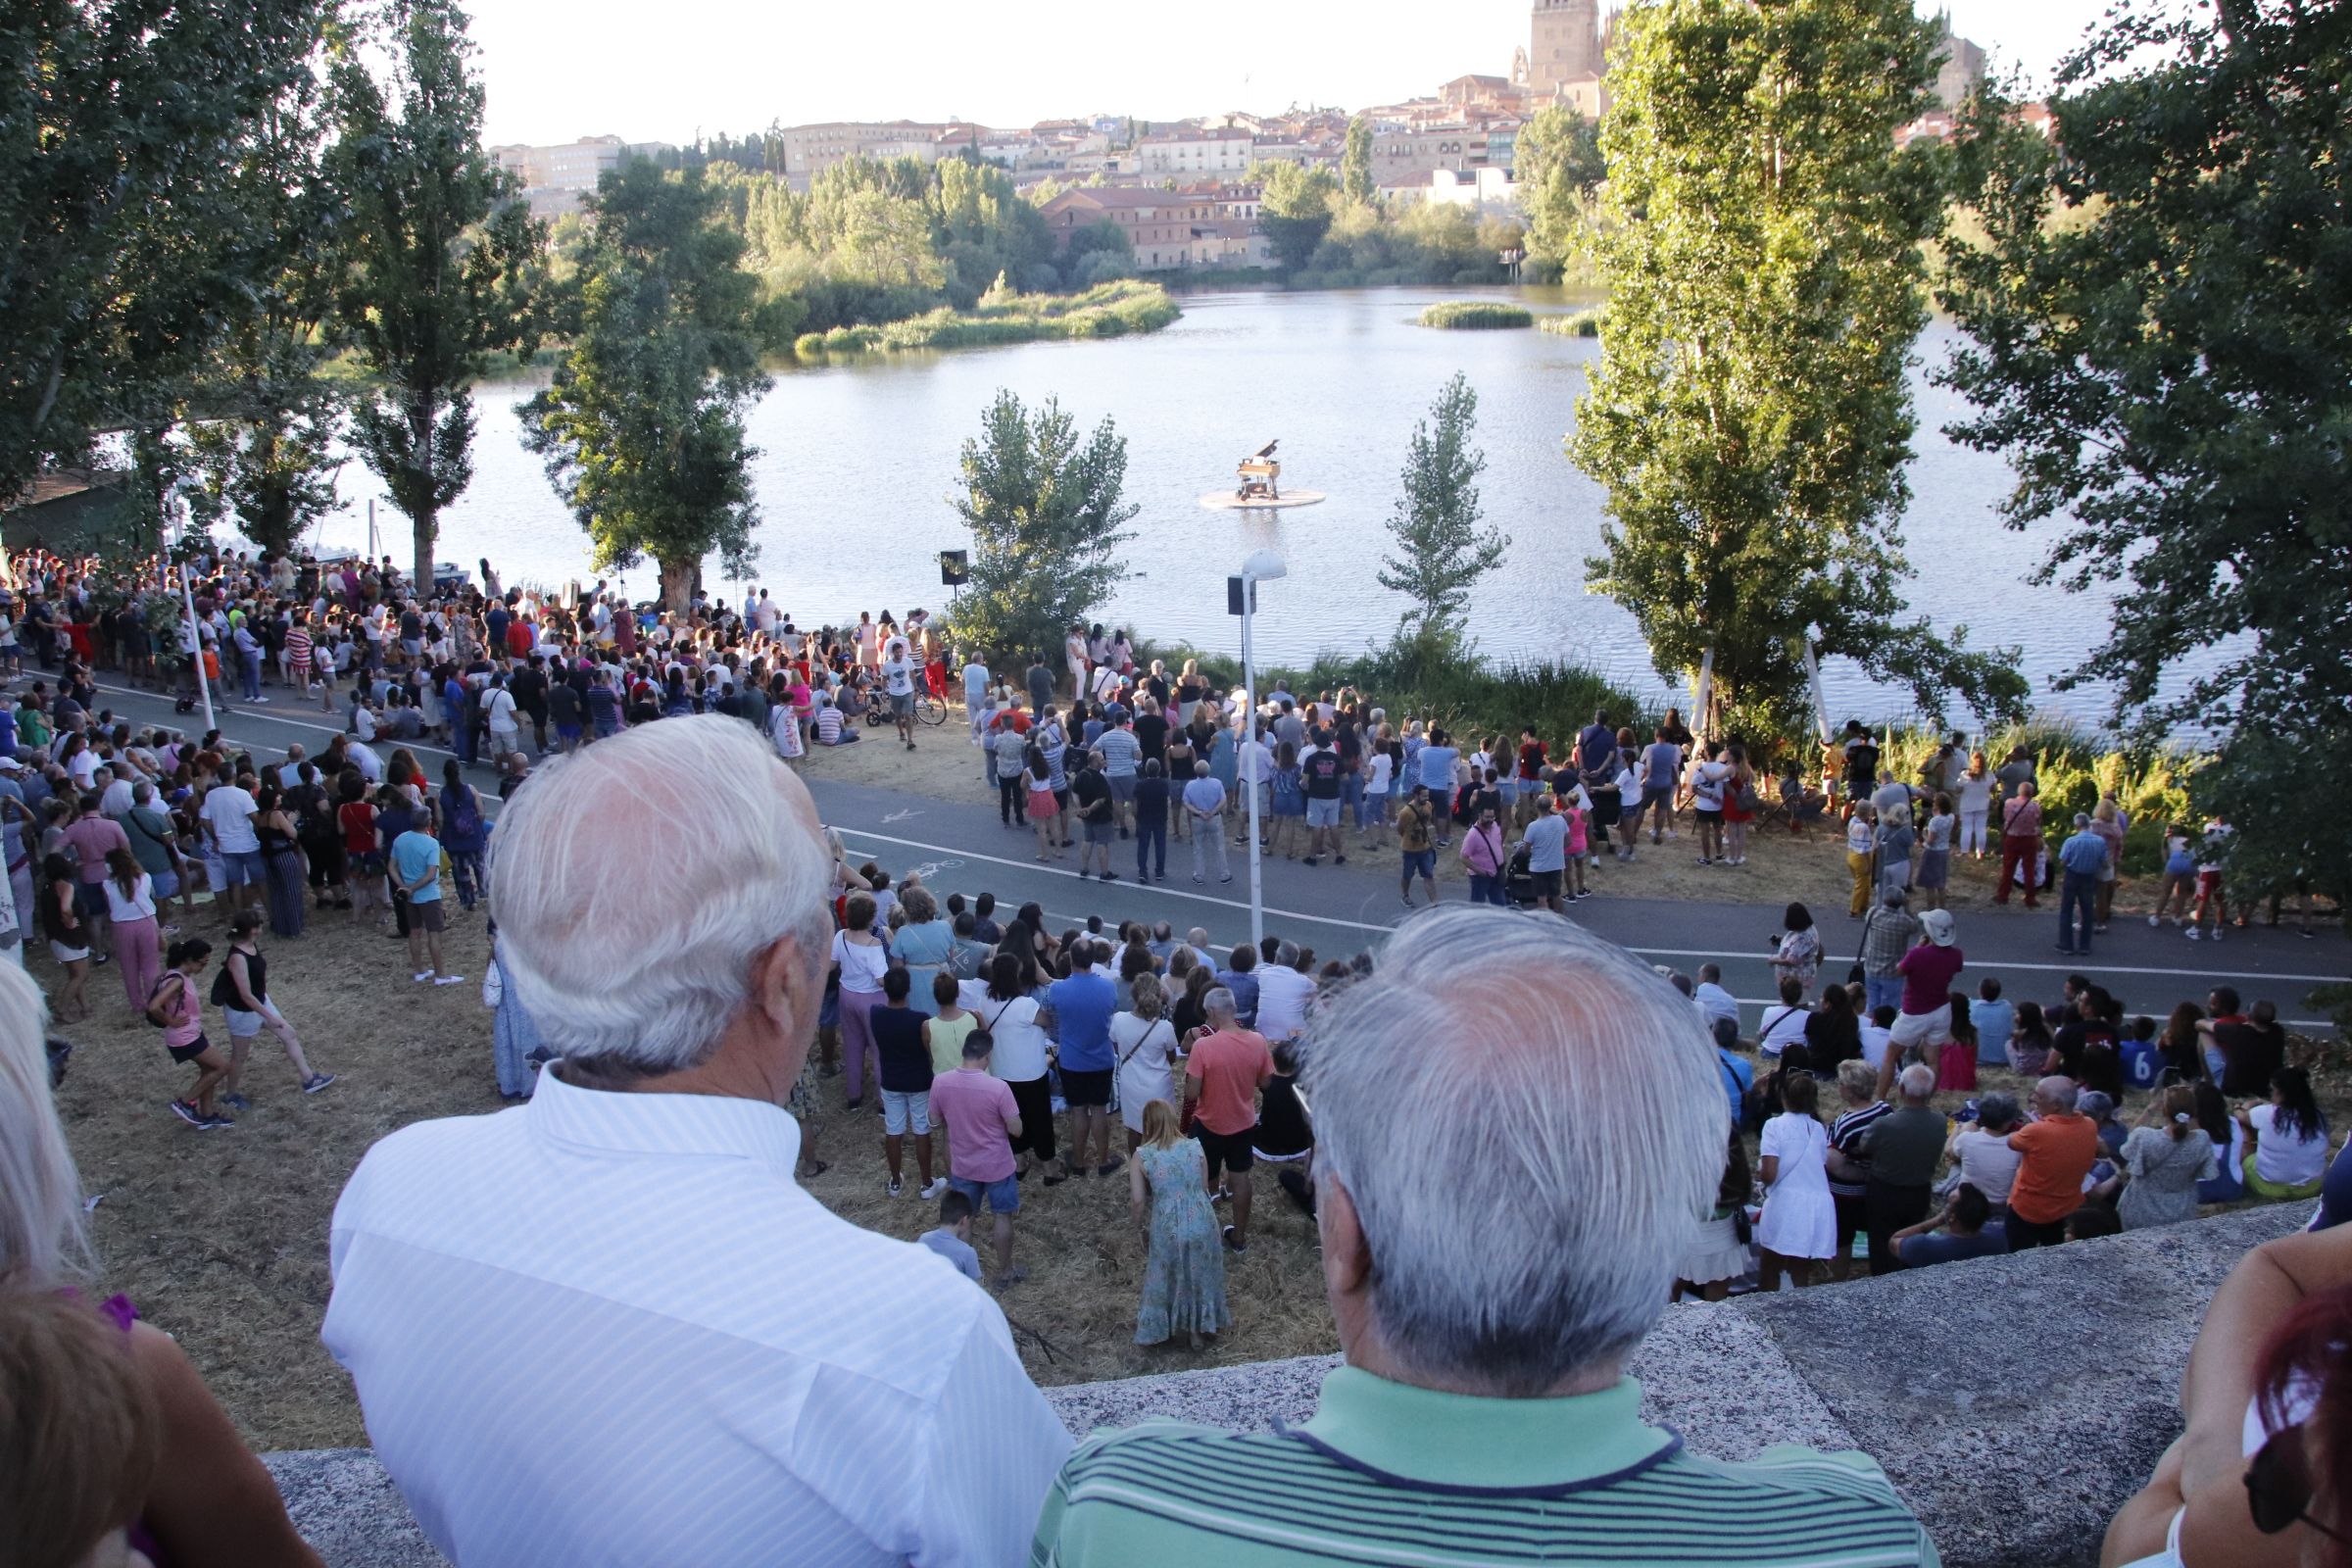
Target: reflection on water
{"x":857,"y":461}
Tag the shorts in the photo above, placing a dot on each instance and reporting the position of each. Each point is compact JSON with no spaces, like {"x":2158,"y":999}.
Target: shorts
{"x":901,"y":705}
{"x":1100,"y":832}
{"x":1086,"y":1088}
{"x":241,"y":869}
{"x":1321,"y":812}
{"x":2209,"y":884}
{"x":1546,"y":883}
{"x":1122,"y":787}
{"x":89,"y":899}
{"x":903,"y":1106}
{"x":1233,"y":1152}
{"x":1420,"y":864}
{"x":191,"y":1050}
{"x":243,"y":1025}
{"x":427,"y":915}
{"x":1921,"y":1028}
{"x":368,"y":862}
{"x":65,"y":955}
{"x":167,"y":883}
{"x":999,"y":1197}
{"x":1658,"y":798}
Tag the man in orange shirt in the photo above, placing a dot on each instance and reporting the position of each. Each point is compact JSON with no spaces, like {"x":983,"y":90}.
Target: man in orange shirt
{"x":1227,"y":1066}
{"x":2059,"y":1148}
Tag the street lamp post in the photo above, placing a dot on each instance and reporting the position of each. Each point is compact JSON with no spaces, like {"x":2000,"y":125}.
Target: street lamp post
{"x":1262,"y":566}
{"x":187,"y":601}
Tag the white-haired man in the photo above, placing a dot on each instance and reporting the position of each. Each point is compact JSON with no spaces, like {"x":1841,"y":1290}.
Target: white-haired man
{"x":1488,"y":1276}
{"x":605,"y":1327}
{"x":1904,"y":1145}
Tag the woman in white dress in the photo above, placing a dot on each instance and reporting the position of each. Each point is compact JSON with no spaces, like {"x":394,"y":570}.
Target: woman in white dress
{"x":1143,"y":1042}
{"x":1800,"y":1224}
{"x":784,"y":730}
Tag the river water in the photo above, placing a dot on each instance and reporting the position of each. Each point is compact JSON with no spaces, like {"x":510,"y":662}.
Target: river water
{"x":857,"y":461}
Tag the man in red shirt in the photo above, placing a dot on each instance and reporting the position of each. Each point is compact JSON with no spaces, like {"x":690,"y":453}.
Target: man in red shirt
{"x":1227,"y":1067}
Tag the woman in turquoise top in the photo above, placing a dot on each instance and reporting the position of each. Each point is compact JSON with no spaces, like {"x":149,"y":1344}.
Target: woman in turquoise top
{"x":1184,"y":1264}
{"x":922,"y":944}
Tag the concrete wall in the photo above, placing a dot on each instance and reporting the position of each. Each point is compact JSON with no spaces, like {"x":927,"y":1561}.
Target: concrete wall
{"x":2010,"y":1399}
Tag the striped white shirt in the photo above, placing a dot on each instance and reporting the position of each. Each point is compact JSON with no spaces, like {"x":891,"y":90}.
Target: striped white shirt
{"x":610,"y":1329}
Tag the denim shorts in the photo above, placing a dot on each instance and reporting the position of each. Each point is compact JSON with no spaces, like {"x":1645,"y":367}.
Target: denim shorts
{"x":1420,"y":862}
{"x":907,"y":1111}
{"x":999,"y":1197}
{"x":1322,"y":813}
{"x":241,"y":868}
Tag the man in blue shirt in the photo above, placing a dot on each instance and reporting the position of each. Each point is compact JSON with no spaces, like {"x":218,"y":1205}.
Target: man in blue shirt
{"x":1437,"y":774}
{"x":1082,"y":1006}
{"x":1547,"y":840}
{"x":416,"y":877}
{"x":2084,"y":856}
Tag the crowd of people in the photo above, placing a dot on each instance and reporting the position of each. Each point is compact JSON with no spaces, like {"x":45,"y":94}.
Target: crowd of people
{"x":641,"y":1200}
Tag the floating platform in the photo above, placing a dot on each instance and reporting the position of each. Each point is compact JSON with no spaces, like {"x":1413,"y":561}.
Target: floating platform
{"x":1227,"y":501}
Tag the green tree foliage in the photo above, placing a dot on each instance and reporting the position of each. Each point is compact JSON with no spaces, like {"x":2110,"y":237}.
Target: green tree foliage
{"x":1559,"y":167}
{"x":1419,"y":242}
{"x":120,"y":260}
{"x":1748,"y":416}
{"x":442,"y":261}
{"x":642,"y":430}
{"x":1097,"y":254}
{"x":1048,"y":518}
{"x":2158,"y":342}
{"x":1294,"y":209}
{"x":1441,"y":550}
{"x":262,"y":446}
{"x":1355,"y":163}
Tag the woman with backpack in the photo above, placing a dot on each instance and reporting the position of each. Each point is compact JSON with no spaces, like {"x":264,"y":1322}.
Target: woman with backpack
{"x":175,"y":1008}
{"x":463,"y":833}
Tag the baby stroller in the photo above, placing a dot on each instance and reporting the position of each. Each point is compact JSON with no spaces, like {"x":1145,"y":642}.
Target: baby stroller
{"x":1519,"y":883}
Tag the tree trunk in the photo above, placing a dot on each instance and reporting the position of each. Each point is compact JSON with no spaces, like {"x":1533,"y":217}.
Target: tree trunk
{"x":427,"y":530}
{"x":677,"y":584}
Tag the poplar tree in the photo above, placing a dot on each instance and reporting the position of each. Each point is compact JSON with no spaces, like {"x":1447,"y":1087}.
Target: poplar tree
{"x":442,"y":261}
{"x":1748,"y":416}
{"x":1440,"y":550}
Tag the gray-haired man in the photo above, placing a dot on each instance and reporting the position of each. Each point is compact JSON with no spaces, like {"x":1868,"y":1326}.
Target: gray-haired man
{"x":1489,"y":1274}
{"x":1904,"y":1146}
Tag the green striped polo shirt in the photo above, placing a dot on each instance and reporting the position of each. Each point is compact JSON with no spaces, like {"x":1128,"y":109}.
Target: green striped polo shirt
{"x":1402,"y":1476}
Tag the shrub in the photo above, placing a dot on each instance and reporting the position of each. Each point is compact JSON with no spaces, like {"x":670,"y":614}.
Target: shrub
{"x":1477,"y":315}
{"x":1575,"y":324}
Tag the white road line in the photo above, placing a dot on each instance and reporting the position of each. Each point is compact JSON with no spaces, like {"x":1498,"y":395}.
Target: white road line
{"x":2080,"y":966}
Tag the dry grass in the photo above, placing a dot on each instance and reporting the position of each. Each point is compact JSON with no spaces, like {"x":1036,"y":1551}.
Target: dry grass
{"x":221,"y":1238}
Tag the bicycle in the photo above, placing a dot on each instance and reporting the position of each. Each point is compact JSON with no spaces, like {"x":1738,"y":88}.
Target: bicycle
{"x":928,"y":709}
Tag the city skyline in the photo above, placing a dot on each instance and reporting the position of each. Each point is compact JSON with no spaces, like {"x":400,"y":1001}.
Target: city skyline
{"x":733,"y":68}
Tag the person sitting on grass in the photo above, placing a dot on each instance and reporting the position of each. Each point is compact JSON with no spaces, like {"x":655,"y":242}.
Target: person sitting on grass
{"x":2286,"y":1139}
{"x":952,"y":1239}
{"x":1963,"y":1228}
{"x":1489,"y":1278}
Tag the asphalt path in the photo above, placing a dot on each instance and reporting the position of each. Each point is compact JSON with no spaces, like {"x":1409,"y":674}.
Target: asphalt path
{"x":1338,"y":910}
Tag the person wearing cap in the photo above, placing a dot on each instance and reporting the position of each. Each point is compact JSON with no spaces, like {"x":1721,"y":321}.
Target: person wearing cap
{"x":1924,"y":1019}
{"x":2084,"y":858}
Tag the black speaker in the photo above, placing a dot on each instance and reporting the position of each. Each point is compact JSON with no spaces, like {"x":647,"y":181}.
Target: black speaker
{"x":1233,"y":595}
{"x":954,"y":568}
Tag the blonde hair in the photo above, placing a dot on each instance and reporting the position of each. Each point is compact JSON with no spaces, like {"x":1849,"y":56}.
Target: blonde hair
{"x":1161,"y":1129}
{"x":1150,"y":1001}
{"x":41,"y":1238}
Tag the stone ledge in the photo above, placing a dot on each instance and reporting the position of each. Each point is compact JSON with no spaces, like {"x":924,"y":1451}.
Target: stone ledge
{"x":1963,"y":1381}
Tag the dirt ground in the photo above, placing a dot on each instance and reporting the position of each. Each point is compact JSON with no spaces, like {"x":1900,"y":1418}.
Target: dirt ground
{"x":1809,"y":868}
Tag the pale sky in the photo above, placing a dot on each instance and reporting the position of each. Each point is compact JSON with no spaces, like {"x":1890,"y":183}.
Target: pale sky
{"x":561,"y":69}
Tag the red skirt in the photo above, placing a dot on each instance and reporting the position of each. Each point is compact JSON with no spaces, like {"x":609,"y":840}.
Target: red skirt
{"x":1956,"y":1067}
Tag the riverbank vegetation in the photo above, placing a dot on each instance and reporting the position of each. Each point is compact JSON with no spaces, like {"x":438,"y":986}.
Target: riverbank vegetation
{"x":1477,"y":315}
{"x":1324,"y":237}
{"x":1108,"y":310}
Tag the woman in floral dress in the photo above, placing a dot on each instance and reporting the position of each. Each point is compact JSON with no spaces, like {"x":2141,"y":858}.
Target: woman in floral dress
{"x":1184,"y":1266}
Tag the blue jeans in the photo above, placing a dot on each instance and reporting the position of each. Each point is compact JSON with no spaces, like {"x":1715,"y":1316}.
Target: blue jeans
{"x":1150,"y":840}
{"x":251,"y":669}
{"x":1882,"y":990}
{"x":2080,"y":892}
{"x":1487,"y":889}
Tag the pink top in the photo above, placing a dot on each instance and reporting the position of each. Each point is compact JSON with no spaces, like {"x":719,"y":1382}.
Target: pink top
{"x":977,"y":1109}
{"x":183,"y":1006}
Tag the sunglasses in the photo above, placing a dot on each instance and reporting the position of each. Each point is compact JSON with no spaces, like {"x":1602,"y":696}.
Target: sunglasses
{"x":2279,"y":1486}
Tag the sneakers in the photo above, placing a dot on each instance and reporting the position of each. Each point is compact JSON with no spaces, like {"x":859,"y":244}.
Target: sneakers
{"x":897,"y":1187}
{"x":2195,"y":935}
{"x":2155,"y":922}
{"x":938,"y":1188}
{"x":1338,"y":860}
{"x":449,"y":979}
{"x":1313,"y":859}
{"x":318,"y":1081}
{"x":190,"y":1114}
{"x":237,"y":1101}
{"x":1234,"y":1244}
